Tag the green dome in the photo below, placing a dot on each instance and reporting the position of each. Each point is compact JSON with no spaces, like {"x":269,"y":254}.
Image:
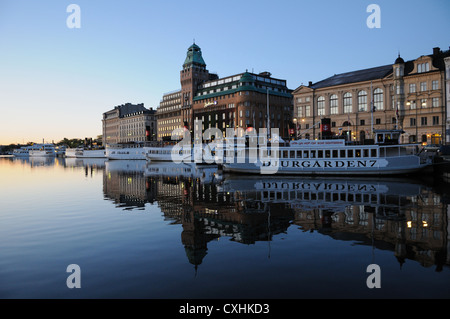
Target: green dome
{"x":194,"y":56}
{"x":247,"y":77}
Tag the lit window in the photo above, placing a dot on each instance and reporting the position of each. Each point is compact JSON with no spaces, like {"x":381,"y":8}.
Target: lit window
{"x":348,"y":103}
{"x":334,"y":104}
{"x":362,"y":101}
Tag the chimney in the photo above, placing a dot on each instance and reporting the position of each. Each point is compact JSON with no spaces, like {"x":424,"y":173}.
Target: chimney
{"x":436,"y":51}
{"x":310,"y":83}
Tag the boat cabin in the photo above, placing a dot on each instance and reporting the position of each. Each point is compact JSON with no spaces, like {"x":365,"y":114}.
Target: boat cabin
{"x":388,"y":137}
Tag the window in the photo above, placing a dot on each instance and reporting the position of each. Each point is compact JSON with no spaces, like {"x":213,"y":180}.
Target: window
{"x":412,"y":88}
{"x":435,"y":120}
{"x":412,"y":105}
{"x":321,"y":106}
{"x":423,"y":121}
{"x":435,"y":85}
{"x":307,"y":110}
{"x":412,"y":122}
{"x":435,"y":102}
{"x":362,"y":101}
{"x":378,"y":99}
{"x":423,"y":86}
{"x":423,"y":67}
{"x":362,"y":122}
{"x":377,"y":121}
{"x":334,"y":104}
{"x":423,"y":103}
{"x":348,"y":103}
{"x":299,"y":111}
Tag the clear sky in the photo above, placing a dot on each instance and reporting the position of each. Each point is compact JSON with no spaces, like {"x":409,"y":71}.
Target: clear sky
{"x":56,"y":82}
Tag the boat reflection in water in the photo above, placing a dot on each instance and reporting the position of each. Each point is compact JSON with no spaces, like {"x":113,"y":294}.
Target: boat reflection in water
{"x":404,"y":216}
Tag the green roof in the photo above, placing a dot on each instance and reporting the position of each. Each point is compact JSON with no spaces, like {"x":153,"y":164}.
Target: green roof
{"x":194,"y":56}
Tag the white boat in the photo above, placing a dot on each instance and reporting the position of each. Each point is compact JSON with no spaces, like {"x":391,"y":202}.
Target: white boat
{"x":126,"y":151}
{"x":24,"y":151}
{"x":72,"y":152}
{"x":332,"y":157}
{"x":44,"y":150}
{"x":177,"y":154}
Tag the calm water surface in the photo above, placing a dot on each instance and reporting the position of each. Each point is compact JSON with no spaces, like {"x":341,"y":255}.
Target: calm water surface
{"x":140,"y":230}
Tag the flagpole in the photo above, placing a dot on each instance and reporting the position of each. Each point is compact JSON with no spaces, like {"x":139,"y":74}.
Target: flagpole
{"x":268,"y":118}
{"x":371,"y":108}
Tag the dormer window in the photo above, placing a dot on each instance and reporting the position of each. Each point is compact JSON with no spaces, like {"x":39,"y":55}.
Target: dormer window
{"x":423,"y":67}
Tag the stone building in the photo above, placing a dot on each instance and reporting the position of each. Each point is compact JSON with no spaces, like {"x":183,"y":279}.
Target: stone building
{"x":406,"y":95}
{"x":129,"y":123}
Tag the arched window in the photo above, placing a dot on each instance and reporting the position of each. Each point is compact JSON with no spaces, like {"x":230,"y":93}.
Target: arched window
{"x":334,"y":104}
{"x":348,"y":103}
{"x":362,"y":101}
{"x":321,"y":106}
{"x":378,"y":99}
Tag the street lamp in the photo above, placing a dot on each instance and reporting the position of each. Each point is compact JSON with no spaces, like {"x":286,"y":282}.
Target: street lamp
{"x":295,"y":123}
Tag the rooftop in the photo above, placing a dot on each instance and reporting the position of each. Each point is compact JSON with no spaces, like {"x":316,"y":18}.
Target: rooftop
{"x":376,"y":73}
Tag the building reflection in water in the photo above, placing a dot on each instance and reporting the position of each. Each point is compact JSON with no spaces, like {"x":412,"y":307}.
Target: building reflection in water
{"x":404,"y":216}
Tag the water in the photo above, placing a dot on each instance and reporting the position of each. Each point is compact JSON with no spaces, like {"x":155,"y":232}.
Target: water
{"x":161,"y":231}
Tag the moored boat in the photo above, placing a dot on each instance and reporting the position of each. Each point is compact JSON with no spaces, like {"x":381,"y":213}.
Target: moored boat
{"x":333,"y":157}
{"x":126,"y":151}
{"x":44,"y":150}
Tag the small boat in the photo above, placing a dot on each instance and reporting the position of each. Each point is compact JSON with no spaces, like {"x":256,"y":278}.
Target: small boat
{"x":385,"y":156}
{"x":24,"y":151}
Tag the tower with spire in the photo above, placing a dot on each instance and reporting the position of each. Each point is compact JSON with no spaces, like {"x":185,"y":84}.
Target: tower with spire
{"x":399,"y":91}
{"x":194,"y":72}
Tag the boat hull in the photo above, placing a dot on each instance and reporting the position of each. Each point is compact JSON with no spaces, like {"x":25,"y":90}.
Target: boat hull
{"x":370,"y":166}
{"x":132,"y":153}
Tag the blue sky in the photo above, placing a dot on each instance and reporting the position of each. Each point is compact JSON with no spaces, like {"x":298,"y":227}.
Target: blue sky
{"x":56,"y":82}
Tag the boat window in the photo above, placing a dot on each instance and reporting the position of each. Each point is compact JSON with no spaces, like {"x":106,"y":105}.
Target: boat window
{"x":382,"y":152}
{"x":366,"y":153}
{"x":285,"y":154}
{"x":373,"y":152}
{"x":357,"y":153}
{"x":380,"y":138}
{"x":342,"y":154}
{"x":335,"y":154}
{"x":306,"y":154}
{"x":292,"y":154}
{"x":299,"y":154}
{"x":320,"y":154}
{"x":349,"y":153}
{"x":327,"y":153}
{"x":313,"y":154}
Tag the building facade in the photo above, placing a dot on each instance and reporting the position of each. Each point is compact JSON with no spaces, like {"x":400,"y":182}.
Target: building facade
{"x":129,"y":123}
{"x":405,"y":95}
{"x":238,"y":101}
